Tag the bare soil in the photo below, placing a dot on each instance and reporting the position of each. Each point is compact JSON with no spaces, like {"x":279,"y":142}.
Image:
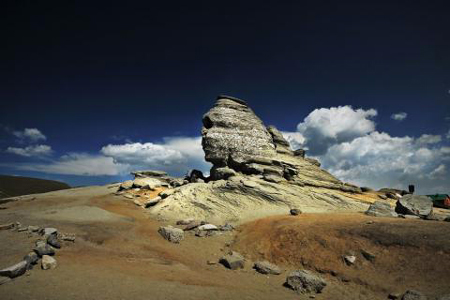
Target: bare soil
{"x":118,"y":253}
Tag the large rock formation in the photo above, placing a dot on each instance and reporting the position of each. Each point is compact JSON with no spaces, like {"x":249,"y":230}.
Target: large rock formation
{"x":255,"y":173}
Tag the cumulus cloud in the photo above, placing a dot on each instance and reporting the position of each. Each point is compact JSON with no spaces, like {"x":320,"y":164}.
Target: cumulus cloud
{"x":347,"y":143}
{"x":296,"y":139}
{"x":78,"y":164}
{"x":399,"y":116}
{"x":429,"y":139}
{"x":175,"y":155}
{"x":325,"y":127}
{"x":29,"y":135}
{"x":31,"y":151}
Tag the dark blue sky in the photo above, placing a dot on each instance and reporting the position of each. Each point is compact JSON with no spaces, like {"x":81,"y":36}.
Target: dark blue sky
{"x":83,"y":74}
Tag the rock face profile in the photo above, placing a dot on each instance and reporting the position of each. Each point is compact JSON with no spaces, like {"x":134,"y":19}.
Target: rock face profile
{"x":255,"y":173}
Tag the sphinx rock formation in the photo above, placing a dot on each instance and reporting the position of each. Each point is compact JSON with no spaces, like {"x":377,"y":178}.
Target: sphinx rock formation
{"x":255,"y":173}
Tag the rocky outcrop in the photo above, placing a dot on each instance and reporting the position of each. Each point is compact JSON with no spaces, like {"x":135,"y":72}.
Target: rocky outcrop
{"x":380,"y":209}
{"x":254,"y":173}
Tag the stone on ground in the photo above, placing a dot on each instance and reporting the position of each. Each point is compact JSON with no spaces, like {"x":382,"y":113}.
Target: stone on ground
{"x":233,"y":261}
{"x":409,"y":204}
{"x":295,"y":212}
{"x":304,"y":281}
{"x":265,"y":267}
{"x":174,"y":235}
{"x":15,"y":270}
{"x":53,"y":241}
{"x":207,"y":227}
{"x":31,"y":258}
{"x":126,"y":185}
{"x":48,"y":262}
{"x":413,"y":295}
{"x":42,"y":248}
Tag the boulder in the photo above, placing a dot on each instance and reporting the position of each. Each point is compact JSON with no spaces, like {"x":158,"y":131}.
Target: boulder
{"x":226,"y":227}
{"x":304,"y":281}
{"x":15,"y":270}
{"x":192,"y":225}
{"x":380,"y":209}
{"x":126,"y":185}
{"x":42,"y":248}
{"x":52,"y":240}
{"x":409,"y":204}
{"x":49,"y":231}
{"x":48,"y":262}
{"x":413,"y":295}
{"x":174,"y":235}
{"x":349,"y":259}
{"x":233,"y":261}
{"x":265,"y":267}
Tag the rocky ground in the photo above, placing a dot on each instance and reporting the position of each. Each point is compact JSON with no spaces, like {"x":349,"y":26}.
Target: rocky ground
{"x":119,"y":254}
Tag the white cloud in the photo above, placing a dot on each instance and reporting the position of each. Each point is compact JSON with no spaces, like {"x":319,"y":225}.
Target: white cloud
{"x":429,"y":139}
{"x":345,"y":140}
{"x":29,"y":134}
{"x":399,"y":116}
{"x":31,"y":151}
{"x":175,"y":155}
{"x":296,"y":139}
{"x":78,"y":164}
{"x":325,"y":127}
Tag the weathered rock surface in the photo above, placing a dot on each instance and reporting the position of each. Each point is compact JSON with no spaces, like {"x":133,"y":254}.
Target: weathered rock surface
{"x":31,"y":258}
{"x":295,"y":212}
{"x":233,"y":261}
{"x":126,"y":185}
{"x":265,"y":267}
{"x":413,"y":295}
{"x":147,"y":183}
{"x":254,"y":173}
{"x":15,"y":270}
{"x":304,"y":281}
{"x":380,"y":209}
{"x":48,"y":262}
{"x":409,"y":204}
{"x":174,"y":235}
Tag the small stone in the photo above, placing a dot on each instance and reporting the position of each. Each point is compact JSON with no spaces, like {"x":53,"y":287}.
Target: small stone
{"x":211,"y":263}
{"x":304,"y":281}
{"x":128,"y":196}
{"x":413,"y":295}
{"x":192,"y":225}
{"x":174,"y":235}
{"x":349,"y":259}
{"x":226,"y":227}
{"x":67,"y":237}
{"x":7,"y":226}
{"x":394,"y":296}
{"x":48,"y":262}
{"x":15,"y":270}
{"x":295,"y":212}
{"x":265,"y":267}
{"x":33,"y":228}
{"x":152,"y":202}
{"x":233,"y":261}
{"x":185,"y":221}
{"x":367,"y":255}
{"x":166,"y":193}
{"x":21,"y":229}
{"x":207,"y":227}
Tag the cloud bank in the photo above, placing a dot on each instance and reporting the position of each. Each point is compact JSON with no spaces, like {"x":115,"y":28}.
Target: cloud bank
{"x":347,"y":143}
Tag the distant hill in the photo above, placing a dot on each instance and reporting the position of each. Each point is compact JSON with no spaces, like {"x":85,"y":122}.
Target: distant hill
{"x":12,"y":186}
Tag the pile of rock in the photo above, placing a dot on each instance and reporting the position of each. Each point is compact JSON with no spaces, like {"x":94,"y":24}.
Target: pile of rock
{"x":45,"y":248}
{"x":200,"y":229}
